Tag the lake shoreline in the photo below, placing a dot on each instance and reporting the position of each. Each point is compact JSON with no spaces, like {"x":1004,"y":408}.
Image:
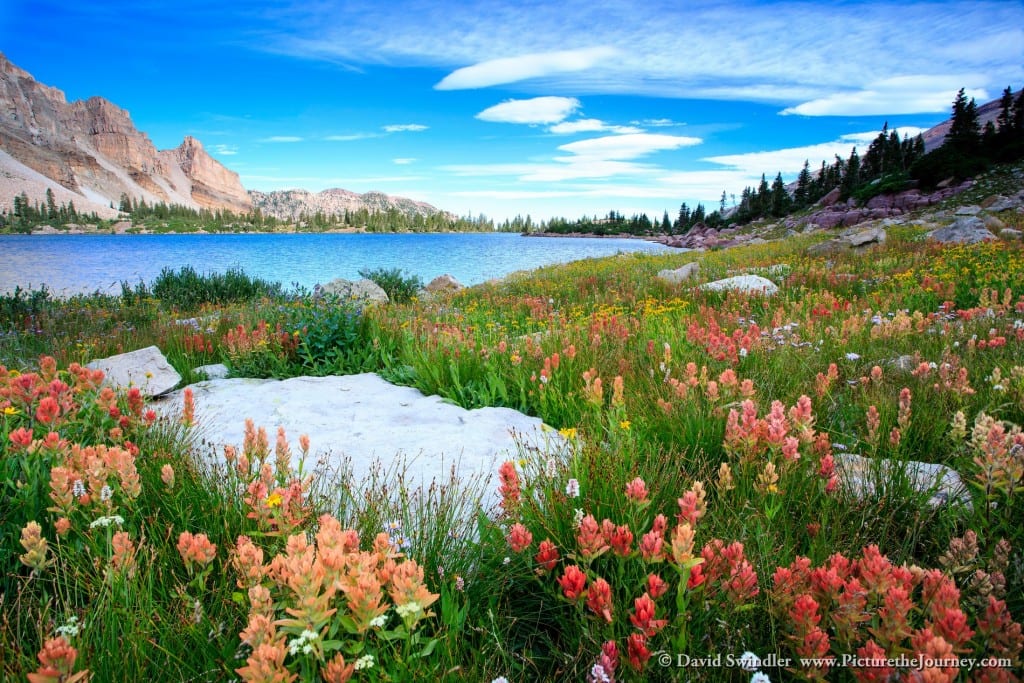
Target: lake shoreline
{"x":86,"y":263}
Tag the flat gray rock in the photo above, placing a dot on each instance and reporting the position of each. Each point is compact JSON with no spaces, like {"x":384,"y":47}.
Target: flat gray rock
{"x":744,"y":283}
{"x":965,"y":230}
{"x":688,"y":271}
{"x":213,"y":371}
{"x":355,"y":421}
{"x":860,"y":476}
{"x":363,"y":291}
{"x":146,"y":369}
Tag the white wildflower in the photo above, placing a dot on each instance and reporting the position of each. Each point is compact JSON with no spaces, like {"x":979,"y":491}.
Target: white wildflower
{"x":107,"y":521}
{"x":70,"y":629}
{"x":506,"y":560}
{"x":743,"y":353}
{"x":78,"y":489}
{"x":572,"y":489}
{"x":106,"y":494}
{"x":577,"y":517}
{"x":379,"y":621}
{"x":460,"y":584}
{"x":852,"y":356}
{"x":364,"y":662}
{"x":409,"y":609}
{"x":760,"y":677}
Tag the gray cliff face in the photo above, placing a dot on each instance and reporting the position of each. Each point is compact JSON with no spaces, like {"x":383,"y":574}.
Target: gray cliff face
{"x":287,"y":205}
{"x":92,"y":147}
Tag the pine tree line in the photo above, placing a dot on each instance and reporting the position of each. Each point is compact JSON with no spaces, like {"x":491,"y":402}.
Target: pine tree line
{"x":890,"y":164}
{"x":26,"y":215}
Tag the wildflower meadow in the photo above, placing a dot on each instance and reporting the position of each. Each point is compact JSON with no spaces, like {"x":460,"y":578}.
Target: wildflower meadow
{"x":704,"y":522}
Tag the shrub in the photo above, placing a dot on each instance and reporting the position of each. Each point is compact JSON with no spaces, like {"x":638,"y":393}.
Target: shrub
{"x":400,"y":288}
{"x":186,"y":289}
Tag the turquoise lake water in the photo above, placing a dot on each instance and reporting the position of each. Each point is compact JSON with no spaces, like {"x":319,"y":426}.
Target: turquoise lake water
{"x":69,"y":264}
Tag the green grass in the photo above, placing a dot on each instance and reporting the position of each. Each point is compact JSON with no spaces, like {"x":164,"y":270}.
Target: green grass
{"x":539,"y":342}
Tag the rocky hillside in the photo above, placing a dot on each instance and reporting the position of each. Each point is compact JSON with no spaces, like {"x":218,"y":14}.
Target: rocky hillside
{"x":93,"y":153}
{"x":287,"y":205}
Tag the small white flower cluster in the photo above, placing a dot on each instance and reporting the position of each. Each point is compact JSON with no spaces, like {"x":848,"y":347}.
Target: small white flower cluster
{"x":78,"y":488}
{"x":572,"y":489}
{"x":302,"y":643}
{"x":379,"y":621}
{"x":364,"y":662}
{"x":70,"y":629}
{"x":409,"y":609}
{"x":107,"y":521}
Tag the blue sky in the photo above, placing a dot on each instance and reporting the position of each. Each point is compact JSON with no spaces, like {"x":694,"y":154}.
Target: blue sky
{"x":521,"y":107}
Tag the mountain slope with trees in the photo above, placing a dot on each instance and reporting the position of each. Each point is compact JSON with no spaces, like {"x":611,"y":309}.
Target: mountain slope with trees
{"x":889,"y":165}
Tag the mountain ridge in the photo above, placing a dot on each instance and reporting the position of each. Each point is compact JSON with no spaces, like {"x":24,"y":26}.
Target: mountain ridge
{"x":90,"y":152}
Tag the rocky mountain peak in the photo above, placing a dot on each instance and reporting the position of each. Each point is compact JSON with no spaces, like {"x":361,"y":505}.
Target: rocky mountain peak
{"x":92,"y":149}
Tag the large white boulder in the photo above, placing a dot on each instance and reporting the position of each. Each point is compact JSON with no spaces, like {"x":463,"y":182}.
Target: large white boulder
{"x":146,"y":369}
{"x":688,"y":271}
{"x":358,"y":420}
{"x":364,"y":291}
{"x":859,"y":476}
{"x":744,"y":283}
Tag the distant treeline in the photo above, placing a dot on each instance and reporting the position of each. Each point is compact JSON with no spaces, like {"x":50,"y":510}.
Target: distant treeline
{"x":391,"y":220}
{"x":162,"y":217}
{"x":26,"y":215}
{"x":890,"y":164}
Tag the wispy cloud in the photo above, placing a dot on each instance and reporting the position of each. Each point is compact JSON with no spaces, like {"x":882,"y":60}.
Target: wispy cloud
{"x":225,"y":150}
{"x":513,"y":69}
{"x":785,"y":53}
{"x":404,"y":161}
{"x":629,"y":146}
{"x":405,"y":128}
{"x":891,"y":96}
{"x":657,"y":123}
{"x":282,"y":138}
{"x":789,"y":161}
{"x":590,"y":126}
{"x":351,"y":136}
{"x":531,"y":111}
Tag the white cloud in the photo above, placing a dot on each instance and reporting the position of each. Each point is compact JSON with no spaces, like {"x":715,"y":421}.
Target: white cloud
{"x":405,"y":128}
{"x":891,"y":96}
{"x":350,"y":137}
{"x":282,"y":138}
{"x":403,"y":161}
{"x":790,"y":160}
{"x":225,"y":150}
{"x":589,"y":126}
{"x":535,"y":110}
{"x":656,"y":123}
{"x":513,"y":69}
{"x":629,"y":146}
{"x":755,"y":51}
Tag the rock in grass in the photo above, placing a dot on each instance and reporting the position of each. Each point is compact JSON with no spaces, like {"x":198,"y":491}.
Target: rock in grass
{"x":688,"y":271}
{"x":744,"y":283}
{"x":965,"y":230}
{"x":214,"y":371}
{"x":146,"y":369}
{"x":362,"y":291}
{"x":862,"y":477}
{"x":443,"y":283}
{"x":362,"y":422}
